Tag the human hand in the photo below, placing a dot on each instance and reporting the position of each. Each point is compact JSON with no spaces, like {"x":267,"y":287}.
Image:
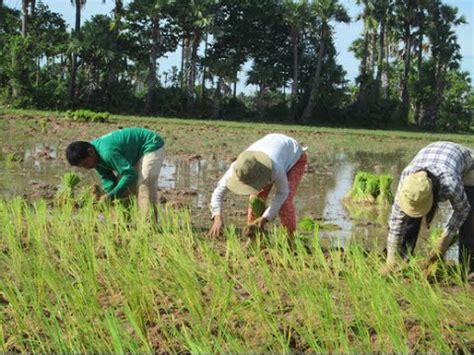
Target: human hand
{"x":104,"y":198}
{"x":216,"y":228}
{"x":390,"y":266}
{"x":440,"y":247}
{"x":387,"y":269}
{"x":259,"y":223}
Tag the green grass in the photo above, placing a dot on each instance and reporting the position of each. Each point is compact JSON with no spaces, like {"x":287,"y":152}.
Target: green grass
{"x":101,"y":279}
{"x":230,"y":137}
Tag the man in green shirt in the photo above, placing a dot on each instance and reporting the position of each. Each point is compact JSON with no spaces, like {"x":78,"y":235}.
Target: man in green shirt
{"x":126,"y":160}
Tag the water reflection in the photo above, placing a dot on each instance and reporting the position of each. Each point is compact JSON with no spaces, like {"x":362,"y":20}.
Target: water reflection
{"x":334,"y":210}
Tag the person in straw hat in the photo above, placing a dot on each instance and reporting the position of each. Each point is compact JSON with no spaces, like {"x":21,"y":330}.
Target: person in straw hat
{"x":442,"y":171}
{"x":276,"y":160}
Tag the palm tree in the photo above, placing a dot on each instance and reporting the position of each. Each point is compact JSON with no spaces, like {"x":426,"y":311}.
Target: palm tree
{"x":421,"y":19}
{"x":1,"y":11}
{"x":325,"y":11}
{"x":405,"y":12}
{"x":78,"y":4}
{"x":148,"y":14}
{"x":195,"y":18}
{"x":445,"y":52}
{"x":382,"y":12}
{"x":370,"y":25}
{"x":295,"y":15}
{"x":24,"y":17}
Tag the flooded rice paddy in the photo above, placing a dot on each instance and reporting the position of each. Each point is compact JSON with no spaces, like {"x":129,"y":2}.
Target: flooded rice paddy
{"x":188,"y":181}
{"x":83,"y":278}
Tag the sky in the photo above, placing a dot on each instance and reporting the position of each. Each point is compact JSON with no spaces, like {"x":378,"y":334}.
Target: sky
{"x":344,"y":33}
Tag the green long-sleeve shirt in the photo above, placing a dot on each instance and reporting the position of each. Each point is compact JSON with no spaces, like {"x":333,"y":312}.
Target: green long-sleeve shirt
{"x":119,"y":151}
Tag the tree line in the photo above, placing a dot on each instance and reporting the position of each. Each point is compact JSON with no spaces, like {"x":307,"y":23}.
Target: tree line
{"x":409,"y":72}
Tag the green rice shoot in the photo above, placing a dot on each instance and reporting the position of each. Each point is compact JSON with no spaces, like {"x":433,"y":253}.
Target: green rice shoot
{"x":257,"y":205}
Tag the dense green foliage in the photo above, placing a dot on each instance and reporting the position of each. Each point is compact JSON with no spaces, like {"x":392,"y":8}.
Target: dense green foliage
{"x":408,"y":52}
{"x":88,"y":116}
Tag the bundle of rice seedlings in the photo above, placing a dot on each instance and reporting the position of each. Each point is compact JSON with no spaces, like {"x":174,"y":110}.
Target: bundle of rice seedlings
{"x":257,"y":205}
{"x":371,"y":188}
{"x":385,"y":196}
{"x":358,"y":214}
{"x":357,"y":193}
{"x":69,"y":183}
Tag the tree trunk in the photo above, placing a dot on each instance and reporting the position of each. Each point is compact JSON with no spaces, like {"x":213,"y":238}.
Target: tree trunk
{"x":24,"y":18}
{"x":32,"y":7}
{"x":234,"y":93}
{"x":418,"y":114}
{"x":405,"y":105}
{"x":373,"y":54}
{"x":308,"y":111}
{"x":386,"y":75}
{"x":183,"y":55}
{"x":152,"y":65}
{"x":363,"y":81}
{"x":432,"y":110}
{"x":203,"y":92}
{"x":1,"y":12}
{"x":218,"y":99}
{"x":196,"y":39}
{"x":378,"y":79}
{"x":187,"y":60}
{"x":77,"y":32}
{"x":118,"y":9}
{"x":38,"y":69}
{"x":294,"y":84}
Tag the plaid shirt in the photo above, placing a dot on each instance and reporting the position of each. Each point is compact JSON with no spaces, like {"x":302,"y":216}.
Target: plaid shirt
{"x":447,"y":162}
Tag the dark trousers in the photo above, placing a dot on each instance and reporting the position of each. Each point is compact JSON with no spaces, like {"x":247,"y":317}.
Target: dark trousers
{"x":411,"y":236}
{"x":466,"y":236}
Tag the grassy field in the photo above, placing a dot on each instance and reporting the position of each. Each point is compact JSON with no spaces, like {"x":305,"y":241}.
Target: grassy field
{"x":81,"y":277}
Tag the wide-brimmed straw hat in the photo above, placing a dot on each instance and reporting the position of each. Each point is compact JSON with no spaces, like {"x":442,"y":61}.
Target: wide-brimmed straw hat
{"x":416,"y":195}
{"x":252,"y":172}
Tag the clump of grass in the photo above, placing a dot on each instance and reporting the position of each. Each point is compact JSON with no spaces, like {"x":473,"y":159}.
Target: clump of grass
{"x":44,"y":126}
{"x":12,"y":158}
{"x":309,"y":224}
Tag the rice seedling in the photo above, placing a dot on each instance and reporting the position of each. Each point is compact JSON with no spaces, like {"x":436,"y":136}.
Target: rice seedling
{"x":73,"y":281}
{"x":69,"y":183}
{"x":309,"y":224}
{"x":385,"y":196}
{"x":12,"y":157}
{"x":257,"y":205}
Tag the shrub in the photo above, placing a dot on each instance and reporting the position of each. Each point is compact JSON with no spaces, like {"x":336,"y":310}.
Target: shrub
{"x":88,"y":116}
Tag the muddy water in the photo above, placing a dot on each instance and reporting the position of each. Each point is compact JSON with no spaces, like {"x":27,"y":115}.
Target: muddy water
{"x":189,"y":181}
